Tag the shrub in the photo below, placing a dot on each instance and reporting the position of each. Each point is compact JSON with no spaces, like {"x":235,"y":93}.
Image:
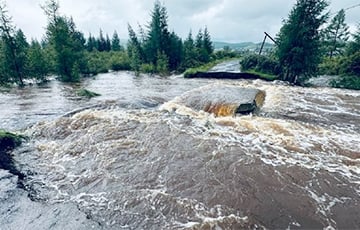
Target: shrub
{"x":331,"y":66}
{"x":260,"y":63}
{"x":147,"y":68}
{"x":347,"y":82}
{"x":119,"y":61}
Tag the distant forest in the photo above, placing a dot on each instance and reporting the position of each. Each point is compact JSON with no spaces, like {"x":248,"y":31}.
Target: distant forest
{"x":310,"y":42}
{"x":66,"y":53}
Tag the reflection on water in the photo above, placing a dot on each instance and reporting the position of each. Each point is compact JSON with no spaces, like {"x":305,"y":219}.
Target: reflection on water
{"x":141,"y":158}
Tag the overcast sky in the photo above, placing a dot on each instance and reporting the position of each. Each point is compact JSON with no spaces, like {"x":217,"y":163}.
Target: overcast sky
{"x":227,"y":20}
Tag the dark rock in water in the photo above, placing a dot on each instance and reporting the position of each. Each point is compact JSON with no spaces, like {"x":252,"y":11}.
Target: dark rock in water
{"x":246,"y":107}
{"x":9,"y":140}
{"x":224,"y":100}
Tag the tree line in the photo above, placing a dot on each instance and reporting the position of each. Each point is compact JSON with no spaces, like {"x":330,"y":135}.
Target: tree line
{"x":159,"y":50}
{"x":66,"y":53}
{"x":309,"y":43}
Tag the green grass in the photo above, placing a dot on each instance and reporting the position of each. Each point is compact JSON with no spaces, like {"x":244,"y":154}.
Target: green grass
{"x":266,"y":76}
{"x":9,"y":140}
{"x":347,"y":82}
{"x":87,"y":93}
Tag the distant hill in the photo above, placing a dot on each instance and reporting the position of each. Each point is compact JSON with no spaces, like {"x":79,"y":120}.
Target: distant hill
{"x":242,"y":46}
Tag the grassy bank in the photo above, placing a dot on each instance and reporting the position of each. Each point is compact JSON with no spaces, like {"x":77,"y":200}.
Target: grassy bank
{"x":265,"y":76}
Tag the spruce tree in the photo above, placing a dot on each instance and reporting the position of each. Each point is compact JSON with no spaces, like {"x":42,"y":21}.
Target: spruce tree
{"x":14,"y":49}
{"x":154,"y":40}
{"x":336,"y":35}
{"x":101,"y":42}
{"x":135,"y":51}
{"x":207,"y":47}
{"x":175,"y":51}
{"x":189,"y":52}
{"x":199,"y":40}
{"x":66,"y":43}
{"x":115,"y":42}
{"x":354,"y":45}
{"x":91,"y":44}
{"x":37,"y":64}
{"x":353,"y":55}
{"x":207,"y":43}
{"x":299,"y":40}
{"x":107,"y":43}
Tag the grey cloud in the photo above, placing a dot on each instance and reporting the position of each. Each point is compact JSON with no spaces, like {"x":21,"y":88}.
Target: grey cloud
{"x":227,"y":20}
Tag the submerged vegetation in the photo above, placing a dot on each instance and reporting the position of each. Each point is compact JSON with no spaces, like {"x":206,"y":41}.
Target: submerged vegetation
{"x":87,"y":93}
{"x":308,"y":44}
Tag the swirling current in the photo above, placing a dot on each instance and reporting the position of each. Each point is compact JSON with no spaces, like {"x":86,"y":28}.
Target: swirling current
{"x":139,"y":157}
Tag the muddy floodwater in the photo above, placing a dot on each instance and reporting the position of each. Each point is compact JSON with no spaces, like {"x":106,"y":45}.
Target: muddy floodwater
{"x":138,"y":157}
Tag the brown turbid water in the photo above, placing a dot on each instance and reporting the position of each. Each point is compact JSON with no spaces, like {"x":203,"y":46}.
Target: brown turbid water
{"x":140,"y":157}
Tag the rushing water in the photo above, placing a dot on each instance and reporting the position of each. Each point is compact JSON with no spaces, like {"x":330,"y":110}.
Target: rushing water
{"x":138,"y":158}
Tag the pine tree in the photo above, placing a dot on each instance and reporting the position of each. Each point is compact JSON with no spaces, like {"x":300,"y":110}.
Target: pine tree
{"x":336,"y":35}
{"x":134,"y":50}
{"x":154,"y":38}
{"x":299,"y":40}
{"x":65,"y":41}
{"x":175,"y":52}
{"x":354,"y":46}
{"x":158,"y":37}
{"x":13,"y":48}
{"x":3,"y":75}
{"x":115,"y":42}
{"x":101,"y":42}
{"x":207,"y":46}
{"x":91,"y":43}
{"x":207,"y":43}
{"x":107,"y":43}
{"x":199,"y":40}
{"x":353,"y":55}
{"x":190,"y":59}
{"x":37,"y":64}
{"x":21,"y":51}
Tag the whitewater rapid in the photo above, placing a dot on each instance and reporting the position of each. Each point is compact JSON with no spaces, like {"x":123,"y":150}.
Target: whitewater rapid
{"x":148,"y":161}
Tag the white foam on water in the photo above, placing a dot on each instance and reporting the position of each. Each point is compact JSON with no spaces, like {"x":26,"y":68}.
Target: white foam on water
{"x":94,"y":135}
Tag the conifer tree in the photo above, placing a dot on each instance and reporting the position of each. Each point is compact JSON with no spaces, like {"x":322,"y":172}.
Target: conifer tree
{"x":189,"y":52}
{"x":115,"y":42}
{"x":37,"y":61}
{"x":101,"y":42}
{"x":353,"y":55}
{"x":154,"y":40}
{"x":336,"y":35}
{"x":14,"y":49}
{"x":107,"y":43}
{"x":299,"y":40}
{"x":65,"y":41}
{"x":91,"y":43}
{"x":207,"y":43}
{"x":134,"y":50}
{"x":199,"y":40}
